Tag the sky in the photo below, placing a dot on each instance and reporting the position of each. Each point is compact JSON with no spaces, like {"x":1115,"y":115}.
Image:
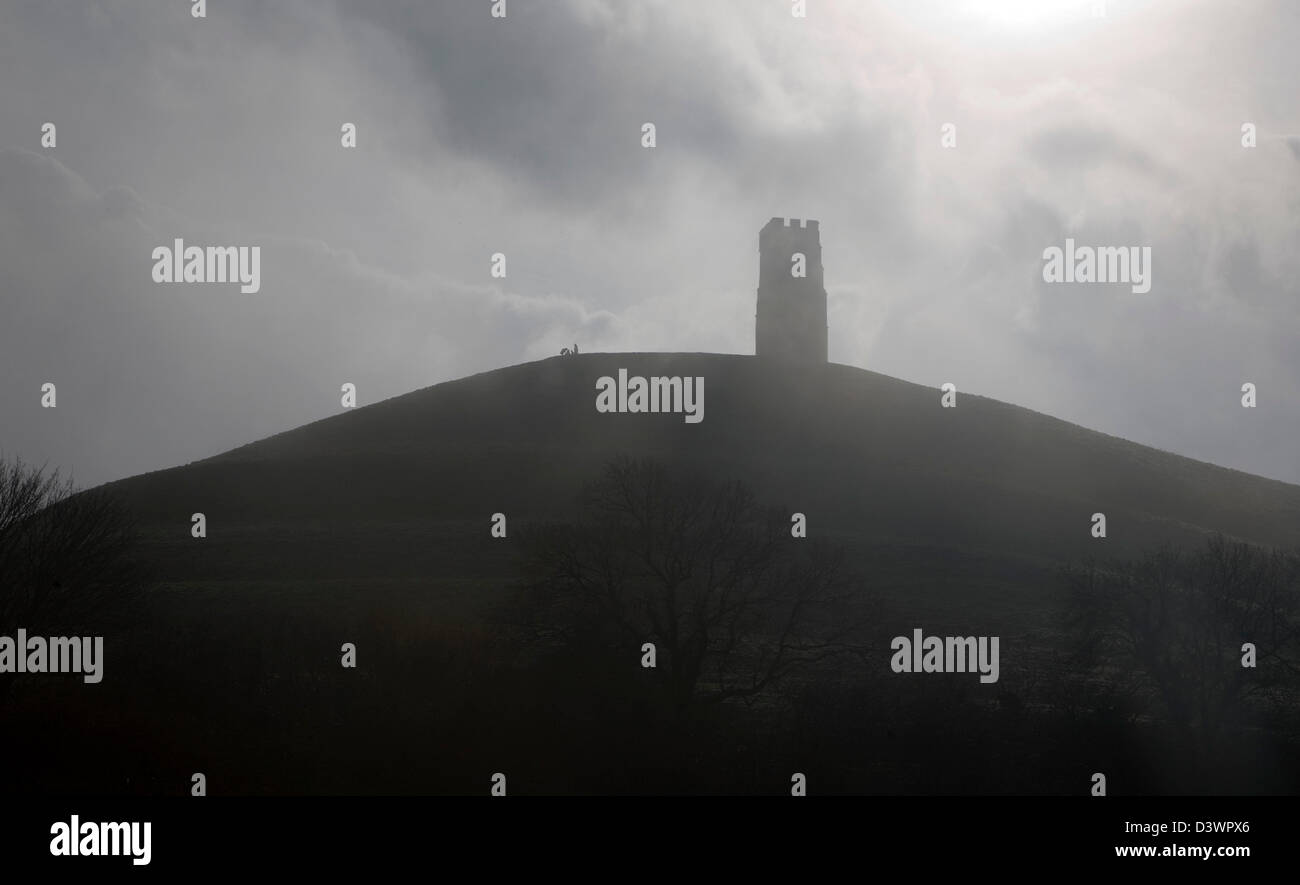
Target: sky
{"x":522,"y":135}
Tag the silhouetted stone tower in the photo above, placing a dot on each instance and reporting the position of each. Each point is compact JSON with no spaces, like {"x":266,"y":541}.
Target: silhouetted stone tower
{"x":790,"y":322}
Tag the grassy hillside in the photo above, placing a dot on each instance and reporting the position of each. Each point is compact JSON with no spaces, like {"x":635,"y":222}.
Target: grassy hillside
{"x":413,"y":480}
{"x":372,"y":527}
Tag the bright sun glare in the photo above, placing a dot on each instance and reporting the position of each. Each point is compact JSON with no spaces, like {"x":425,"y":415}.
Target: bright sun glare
{"x":1008,"y":16}
{"x":1030,"y":14}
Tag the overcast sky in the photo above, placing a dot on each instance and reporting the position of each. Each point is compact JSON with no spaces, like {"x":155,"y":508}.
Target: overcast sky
{"x":523,"y":136}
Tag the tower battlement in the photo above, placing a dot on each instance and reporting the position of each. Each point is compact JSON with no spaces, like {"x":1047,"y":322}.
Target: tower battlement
{"x":792,"y":222}
{"x":780,"y":229}
{"x":790,"y":320}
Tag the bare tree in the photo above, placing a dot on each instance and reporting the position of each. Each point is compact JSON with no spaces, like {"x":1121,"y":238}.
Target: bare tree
{"x":66,"y":557}
{"x":1179,"y":620}
{"x":733,"y":603}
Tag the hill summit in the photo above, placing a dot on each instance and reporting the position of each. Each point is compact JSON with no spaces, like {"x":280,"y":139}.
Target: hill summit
{"x":868,"y":459}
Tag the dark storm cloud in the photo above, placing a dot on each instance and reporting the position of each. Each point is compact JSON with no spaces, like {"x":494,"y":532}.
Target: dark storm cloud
{"x":557,"y":100}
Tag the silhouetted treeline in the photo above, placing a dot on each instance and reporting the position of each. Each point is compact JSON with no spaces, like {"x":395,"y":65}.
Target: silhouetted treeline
{"x":69,"y":562}
{"x":771,"y":658}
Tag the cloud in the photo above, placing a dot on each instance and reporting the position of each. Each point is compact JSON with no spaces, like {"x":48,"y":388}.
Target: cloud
{"x":522,"y":136}
{"x":152,"y":374}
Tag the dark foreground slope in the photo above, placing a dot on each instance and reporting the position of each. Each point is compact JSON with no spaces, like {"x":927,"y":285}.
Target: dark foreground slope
{"x":372,"y":527}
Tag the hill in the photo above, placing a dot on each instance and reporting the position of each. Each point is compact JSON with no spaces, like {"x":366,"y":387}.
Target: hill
{"x":372,"y":527}
{"x":405,"y":487}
